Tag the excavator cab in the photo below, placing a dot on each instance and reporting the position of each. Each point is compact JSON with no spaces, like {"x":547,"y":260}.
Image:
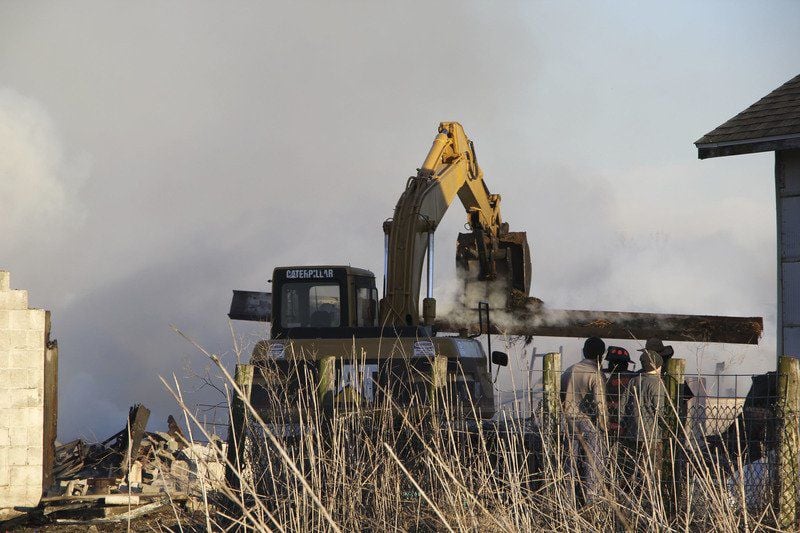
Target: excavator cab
{"x":312,"y":302}
{"x":318,"y":301}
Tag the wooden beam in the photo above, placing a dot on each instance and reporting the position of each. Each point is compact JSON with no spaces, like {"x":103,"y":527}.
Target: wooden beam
{"x":788,"y":447}
{"x":137,"y":423}
{"x":612,"y":325}
{"x":237,"y":429}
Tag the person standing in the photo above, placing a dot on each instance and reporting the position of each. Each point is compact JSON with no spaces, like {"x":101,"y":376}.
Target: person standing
{"x":643,"y":406}
{"x":619,"y":374}
{"x":583,"y":399}
{"x":667,"y":352}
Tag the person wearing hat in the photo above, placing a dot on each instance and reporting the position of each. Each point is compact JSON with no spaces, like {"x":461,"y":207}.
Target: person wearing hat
{"x":654,"y":344}
{"x":583,"y":400}
{"x":666,"y":352}
{"x":643,"y":407}
{"x":619,"y":374}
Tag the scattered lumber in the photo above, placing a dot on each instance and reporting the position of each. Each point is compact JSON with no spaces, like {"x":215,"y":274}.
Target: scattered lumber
{"x":130,"y":474}
{"x":130,"y":515}
{"x":93,"y":498}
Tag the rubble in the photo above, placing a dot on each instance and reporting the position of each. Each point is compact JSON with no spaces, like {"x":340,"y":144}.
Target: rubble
{"x":130,"y":475}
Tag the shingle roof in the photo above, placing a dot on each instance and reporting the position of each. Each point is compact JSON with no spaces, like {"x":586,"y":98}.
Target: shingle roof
{"x":773,"y":118}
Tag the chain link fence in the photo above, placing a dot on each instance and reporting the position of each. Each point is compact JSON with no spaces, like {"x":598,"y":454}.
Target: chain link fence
{"x":733,"y":439}
{"x":740,"y":432}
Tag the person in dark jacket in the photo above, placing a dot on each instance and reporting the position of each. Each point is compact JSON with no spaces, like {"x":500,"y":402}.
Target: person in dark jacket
{"x":619,"y":374}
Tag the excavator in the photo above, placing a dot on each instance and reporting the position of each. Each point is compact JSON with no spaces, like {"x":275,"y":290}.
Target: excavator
{"x":323,"y":317}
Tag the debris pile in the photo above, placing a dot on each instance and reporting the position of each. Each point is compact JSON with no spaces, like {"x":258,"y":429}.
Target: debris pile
{"x":132,"y":474}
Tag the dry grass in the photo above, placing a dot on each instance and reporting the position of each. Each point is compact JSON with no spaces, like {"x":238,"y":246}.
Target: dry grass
{"x":424,"y":467}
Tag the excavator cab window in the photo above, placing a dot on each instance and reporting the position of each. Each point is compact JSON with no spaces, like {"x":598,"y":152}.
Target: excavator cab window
{"x":309,"y":304}
{"x":366,"y":302}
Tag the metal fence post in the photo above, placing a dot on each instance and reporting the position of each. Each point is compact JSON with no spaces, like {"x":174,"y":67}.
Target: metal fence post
{"x":551,"y":394}
{"x":243,"y":377}
{"x":787,"y":409}
{"x":674,"y":415}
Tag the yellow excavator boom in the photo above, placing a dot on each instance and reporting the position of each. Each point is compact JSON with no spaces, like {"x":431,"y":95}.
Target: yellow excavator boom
{"x":489,"y":253}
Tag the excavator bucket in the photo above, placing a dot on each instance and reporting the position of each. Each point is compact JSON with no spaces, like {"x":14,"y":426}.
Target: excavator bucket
{"x":494,"y":269}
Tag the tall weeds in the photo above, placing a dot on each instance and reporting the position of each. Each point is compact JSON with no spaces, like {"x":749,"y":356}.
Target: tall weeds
{"x":413,"y":460}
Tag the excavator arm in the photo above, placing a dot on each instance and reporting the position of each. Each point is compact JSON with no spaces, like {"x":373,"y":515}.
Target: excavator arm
{"x":489,"y":254}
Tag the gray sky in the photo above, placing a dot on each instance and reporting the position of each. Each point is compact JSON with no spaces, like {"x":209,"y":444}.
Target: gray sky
{"x":154,"y":156}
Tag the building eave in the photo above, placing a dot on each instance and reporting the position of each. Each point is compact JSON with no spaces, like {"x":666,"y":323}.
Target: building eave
{"x":748,"y":146}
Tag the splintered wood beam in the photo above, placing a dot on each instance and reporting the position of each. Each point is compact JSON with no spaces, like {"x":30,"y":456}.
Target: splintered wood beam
{"x":611,"y":325}
{"x":137,"y":423}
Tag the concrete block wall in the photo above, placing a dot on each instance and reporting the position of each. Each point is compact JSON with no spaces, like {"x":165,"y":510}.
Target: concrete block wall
{"x":24,"y":348}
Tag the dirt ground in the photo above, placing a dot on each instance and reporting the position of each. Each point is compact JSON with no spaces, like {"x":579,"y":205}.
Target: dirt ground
{"x":165,"y":519}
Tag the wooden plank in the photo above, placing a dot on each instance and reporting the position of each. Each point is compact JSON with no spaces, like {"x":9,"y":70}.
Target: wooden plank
{"x":237,"y":430}
{"x":130,"y":515}
{"x":50,"y":400}
{"x":50,"y":509}
{"x":137,"y":422}
{"x":672,"y":487}
{"x":121,"y":499}
{"x":175,"y":496}
{"x":613,"y":325}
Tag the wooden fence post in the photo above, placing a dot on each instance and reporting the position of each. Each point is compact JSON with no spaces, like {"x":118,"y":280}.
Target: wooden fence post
{"x":673,"y":381}
{"x":551,"y":394}
{"x":243,"y":377}
{"x":674,"y":416}
{"x":326,"y":380}
{"x":438,"y":378}
{"x":787,"y":410}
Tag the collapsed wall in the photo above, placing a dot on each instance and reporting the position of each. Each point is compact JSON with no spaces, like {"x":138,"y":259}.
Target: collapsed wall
{"x":28,"y":400}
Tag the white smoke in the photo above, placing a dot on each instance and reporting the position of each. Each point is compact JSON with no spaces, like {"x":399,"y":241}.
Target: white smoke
{"x":37,"y":183}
